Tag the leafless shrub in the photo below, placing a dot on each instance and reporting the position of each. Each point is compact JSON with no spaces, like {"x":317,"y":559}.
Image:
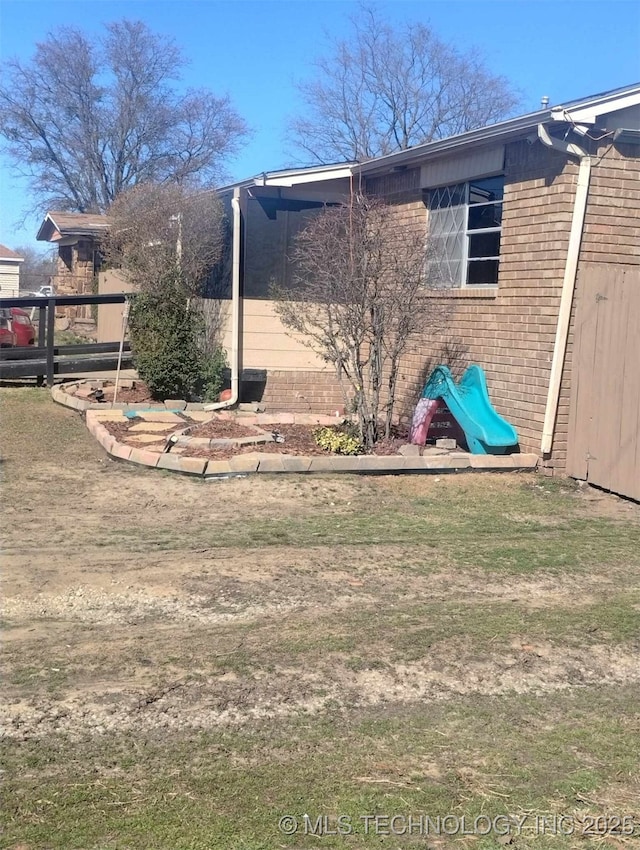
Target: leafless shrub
{"x":161,"y":228}
{"x":359,"y":298}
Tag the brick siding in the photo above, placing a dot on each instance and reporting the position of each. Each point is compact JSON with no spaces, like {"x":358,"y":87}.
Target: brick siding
{"x":301,"y":392}
{"x":509,"y":330}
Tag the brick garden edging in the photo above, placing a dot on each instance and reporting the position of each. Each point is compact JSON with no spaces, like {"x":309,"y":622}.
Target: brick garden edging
{"x":254,"y":462}
{"x":60,"y":396}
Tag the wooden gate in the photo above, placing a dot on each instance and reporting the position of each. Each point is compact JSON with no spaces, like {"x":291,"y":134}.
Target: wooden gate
{"x":604,"y":420}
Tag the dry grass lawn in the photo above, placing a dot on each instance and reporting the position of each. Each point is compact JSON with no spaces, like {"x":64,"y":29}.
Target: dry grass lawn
{"x":186,"y":663}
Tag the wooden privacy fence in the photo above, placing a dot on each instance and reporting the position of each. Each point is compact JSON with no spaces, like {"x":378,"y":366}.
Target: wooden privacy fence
{"x":46,"y":359}
{"x":604,"y":420}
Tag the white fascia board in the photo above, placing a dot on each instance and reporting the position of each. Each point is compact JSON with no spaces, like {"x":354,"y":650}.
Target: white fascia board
{"x":290,"y":180}
{"x":590,"y":112}
{"x":473,"y":138}
{"x":291,"y":177}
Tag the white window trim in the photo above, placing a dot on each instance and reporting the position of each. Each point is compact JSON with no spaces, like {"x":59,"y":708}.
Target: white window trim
{"x":465,"y":259}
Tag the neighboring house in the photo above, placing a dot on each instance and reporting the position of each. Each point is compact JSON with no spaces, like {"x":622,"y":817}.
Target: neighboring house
{"x":531,"y":219}
{"x":77,"y":236}
{"x":9,"y":272}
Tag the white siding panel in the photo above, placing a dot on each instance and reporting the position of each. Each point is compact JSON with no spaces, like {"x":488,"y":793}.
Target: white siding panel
{"x":449,"y":170}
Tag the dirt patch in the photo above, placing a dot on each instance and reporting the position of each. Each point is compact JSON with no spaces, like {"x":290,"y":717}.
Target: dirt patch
{"x":296,"y":440}
{"x":145,"y":697}
{"x":223,"y":429}
{"x":138,"y":394}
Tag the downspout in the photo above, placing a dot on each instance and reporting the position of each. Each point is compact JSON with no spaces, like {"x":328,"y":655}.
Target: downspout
{"x":235,"y":306}
{"x":568,"y":283}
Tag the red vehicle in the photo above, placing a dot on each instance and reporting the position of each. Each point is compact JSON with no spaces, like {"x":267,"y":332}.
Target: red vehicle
{"x":22,"y":327}
{"x":16,"y":328}
{"x":7,"y":337}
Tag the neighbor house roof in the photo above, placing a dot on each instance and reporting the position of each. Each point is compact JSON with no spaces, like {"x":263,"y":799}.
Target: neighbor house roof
{"x":58,"y":225}
{"x":11,"y":256}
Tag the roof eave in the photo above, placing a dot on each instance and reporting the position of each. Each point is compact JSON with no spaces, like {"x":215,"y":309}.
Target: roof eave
{"x":293,"y":177}
{"x":497,"y":132}
{"x":580,"y":112}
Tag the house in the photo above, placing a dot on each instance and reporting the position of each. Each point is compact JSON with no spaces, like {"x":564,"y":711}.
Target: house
{"x":535,"y":223}
{"x":9,"y":272}
{"x":77,"y":236}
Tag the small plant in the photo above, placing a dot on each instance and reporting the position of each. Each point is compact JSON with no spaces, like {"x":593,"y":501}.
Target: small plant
{"x":338,"y":440}
{"x":212,"y":376}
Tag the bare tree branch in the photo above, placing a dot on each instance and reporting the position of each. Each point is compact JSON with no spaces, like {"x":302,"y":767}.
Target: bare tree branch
{"x":388,"y":89}
{"x":160,"y":228}
{"x":359,"y":299}
{"x":86,"y":120}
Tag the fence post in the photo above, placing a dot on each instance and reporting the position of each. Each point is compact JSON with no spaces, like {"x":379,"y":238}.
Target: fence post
{"x":42,"y":335}
{"x":51,"y":326}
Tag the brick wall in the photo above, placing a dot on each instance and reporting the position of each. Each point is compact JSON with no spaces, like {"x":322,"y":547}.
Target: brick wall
{"x":612,"y":223}
{"x":301,"y":392}
{"x":510,"y":330}
{"x":75,"y":275}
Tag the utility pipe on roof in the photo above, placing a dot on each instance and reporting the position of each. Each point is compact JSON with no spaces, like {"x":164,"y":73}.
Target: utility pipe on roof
{"x":235,"y":306}
{"x":568,"y":283}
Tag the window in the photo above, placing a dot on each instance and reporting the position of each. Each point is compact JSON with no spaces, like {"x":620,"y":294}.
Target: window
{"x":65,"y":252}
{"x":465,"y":222}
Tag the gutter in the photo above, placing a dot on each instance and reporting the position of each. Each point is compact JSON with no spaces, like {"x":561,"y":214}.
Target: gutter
{"x":568,"y":283}
{"x":235,"y":306}
{"x":501,"y":132}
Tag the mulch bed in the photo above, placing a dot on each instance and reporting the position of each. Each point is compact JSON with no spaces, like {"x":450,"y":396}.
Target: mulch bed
{"x":298,"y":439}
{"x":222,"y":428}
{"x":130,"y":395}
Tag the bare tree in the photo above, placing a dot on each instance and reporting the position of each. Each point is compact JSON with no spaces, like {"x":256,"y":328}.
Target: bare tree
{"x":388,"y":89}
{"x":37,"y":269}
{"x":359,"y":299}
{"x":86,"y":120}
{"x":156,"y":229}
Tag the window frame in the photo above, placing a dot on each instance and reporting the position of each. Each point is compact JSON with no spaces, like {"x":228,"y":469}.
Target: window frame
{"x":467,"y":232}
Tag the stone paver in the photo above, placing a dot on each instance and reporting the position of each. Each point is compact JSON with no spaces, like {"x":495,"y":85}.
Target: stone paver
{"x":160,"y":416}
{"x":144,"y":438}
{"x":193,"y":465}
{"x":245,"y":463}
{"x":169,"y":461}
{"x":144,"y":457}
{"x":108,"y":415}
{"x":199,"y":415}
{"x":218,"y":467}
{"x":292,"y":463}
{"x":271,"y":463}
{"x":121,"y":451}
{"x":151,"y":427}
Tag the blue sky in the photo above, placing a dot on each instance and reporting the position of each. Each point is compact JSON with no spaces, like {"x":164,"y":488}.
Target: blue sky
{"x":255,"y":52}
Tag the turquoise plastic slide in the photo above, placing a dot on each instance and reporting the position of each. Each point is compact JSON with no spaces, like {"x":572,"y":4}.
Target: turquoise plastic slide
{"x":468,"y":401}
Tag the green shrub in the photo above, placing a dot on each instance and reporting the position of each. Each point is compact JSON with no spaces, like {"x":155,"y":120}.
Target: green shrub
{"x":167,"y":343}
{"x":212,"y":374}
{"x":338,"y":440}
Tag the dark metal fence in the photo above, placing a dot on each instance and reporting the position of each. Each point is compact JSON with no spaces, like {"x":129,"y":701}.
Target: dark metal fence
{"x":46,"y":359}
